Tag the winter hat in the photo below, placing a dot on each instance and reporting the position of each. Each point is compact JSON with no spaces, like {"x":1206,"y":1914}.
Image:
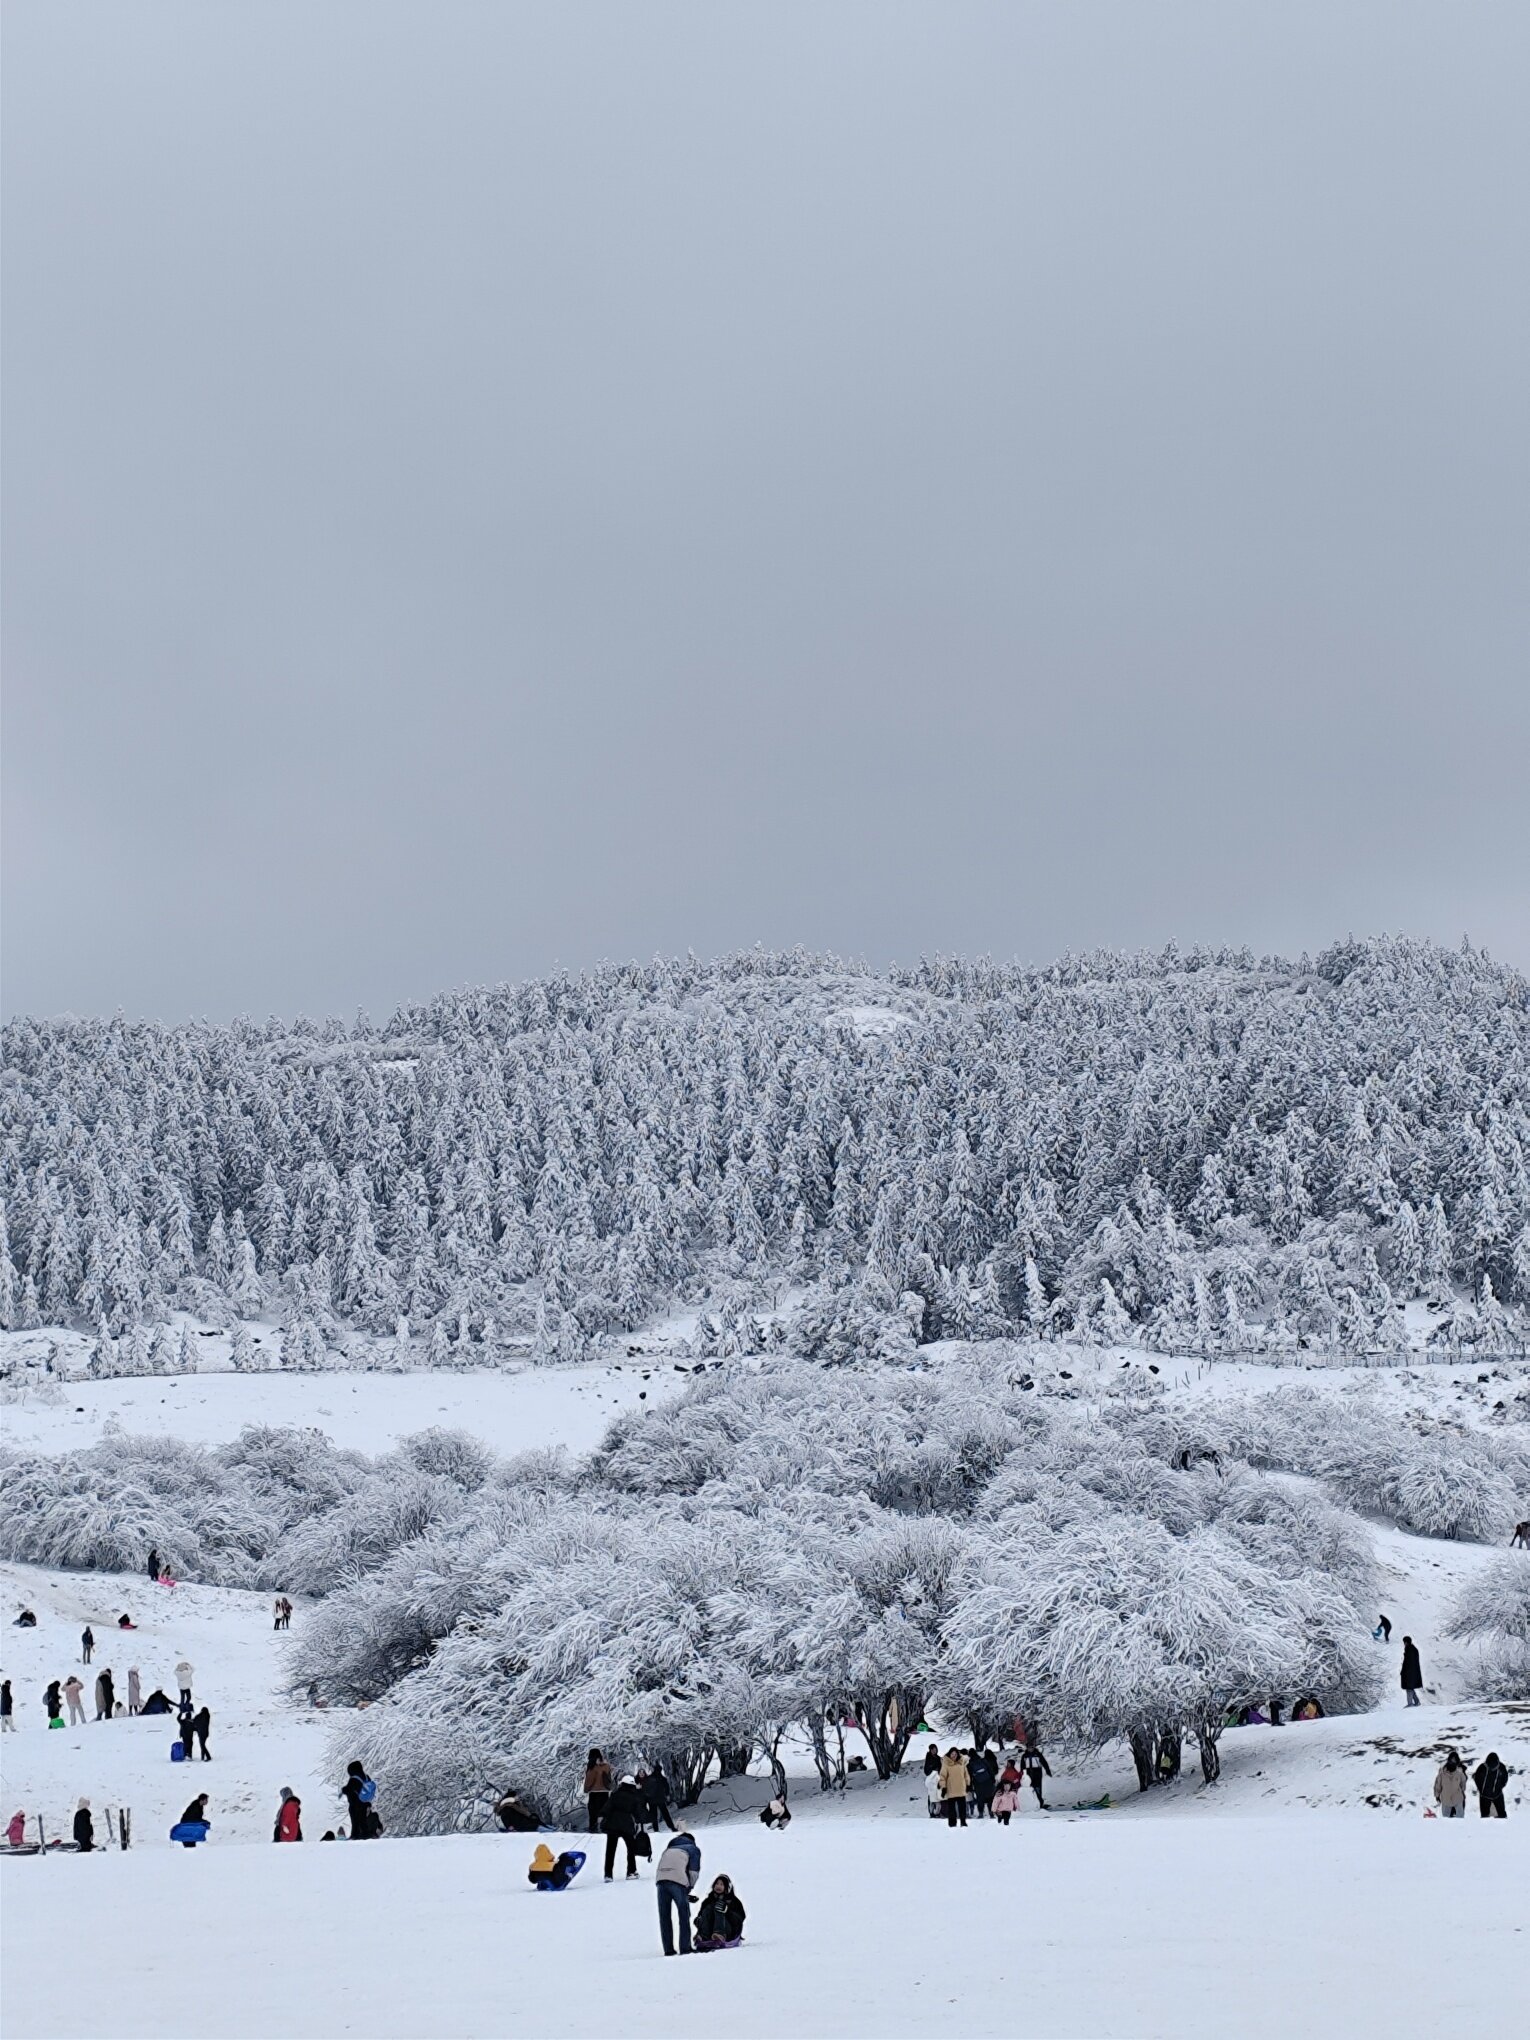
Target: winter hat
{"x":84,"y":1806}
{"x":287,"y":1793}
{"x":628,"y":1779}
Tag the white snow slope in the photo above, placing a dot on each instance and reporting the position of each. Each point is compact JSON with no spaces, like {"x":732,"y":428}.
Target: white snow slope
{"x":1305,"y":1893}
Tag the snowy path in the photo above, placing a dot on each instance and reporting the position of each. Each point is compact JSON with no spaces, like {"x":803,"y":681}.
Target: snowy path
{"x":1081,"y":1927}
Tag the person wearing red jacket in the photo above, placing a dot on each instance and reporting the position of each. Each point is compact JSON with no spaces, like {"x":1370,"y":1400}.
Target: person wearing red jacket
{"x":289,"y":1818}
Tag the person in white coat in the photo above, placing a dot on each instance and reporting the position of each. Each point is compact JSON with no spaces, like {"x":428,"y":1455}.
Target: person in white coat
{"x":183,"y":1675}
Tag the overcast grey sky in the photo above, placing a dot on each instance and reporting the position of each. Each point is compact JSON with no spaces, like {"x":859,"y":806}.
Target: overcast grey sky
{"x":488,"y":487}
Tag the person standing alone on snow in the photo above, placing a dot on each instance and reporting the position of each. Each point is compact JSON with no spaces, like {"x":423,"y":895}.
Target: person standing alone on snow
{"x":289,"y":1818}
{"x":72,"y":1691}
{"x":84,"y":1828}
{"x":1035,"y":1767}
{"x":674,"y":1881}
{"x":1412,"y":1671}
{"x":1490,"y":1777}
{"x":955,"y":1783}
{"x":7,"y":1717}
{"x":135,"y":1690}
{"x":183,"y":1679}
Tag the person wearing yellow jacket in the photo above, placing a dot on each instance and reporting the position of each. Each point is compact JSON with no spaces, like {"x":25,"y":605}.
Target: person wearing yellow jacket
{"x":955,"y":1783}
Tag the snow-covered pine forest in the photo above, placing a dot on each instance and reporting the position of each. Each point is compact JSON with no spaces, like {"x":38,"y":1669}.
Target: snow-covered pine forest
{"x":1201,"y":1151}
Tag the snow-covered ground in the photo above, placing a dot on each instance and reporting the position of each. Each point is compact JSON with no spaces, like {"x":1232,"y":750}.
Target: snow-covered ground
{"x":511,"y":1411}
{"x":1306,"y":1892}
{"x":1068,"y":1926}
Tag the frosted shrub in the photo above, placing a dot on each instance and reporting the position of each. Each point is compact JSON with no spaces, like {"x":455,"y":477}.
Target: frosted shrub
{"x":1446,"y":1494}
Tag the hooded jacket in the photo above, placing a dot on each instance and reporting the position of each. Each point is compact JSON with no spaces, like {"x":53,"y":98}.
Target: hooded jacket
{"x":955,"y":1779}
{"x":1450,"y":1788}
{"x":1412,"y":1670}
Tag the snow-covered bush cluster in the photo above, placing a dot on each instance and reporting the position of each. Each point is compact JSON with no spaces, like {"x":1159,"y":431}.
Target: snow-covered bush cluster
{"x":1176,"y":1150}
{"x":1493,"y":1614}
{"x":784,"y":1549}
{"x":1435,"y":1479}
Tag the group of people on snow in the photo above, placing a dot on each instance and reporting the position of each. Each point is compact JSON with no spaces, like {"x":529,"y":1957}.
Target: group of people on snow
{"x":1490,"y":1778}
{"x":972,"y":1783}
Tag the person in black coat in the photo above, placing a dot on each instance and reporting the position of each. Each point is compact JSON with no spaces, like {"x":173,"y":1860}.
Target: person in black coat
{"x":364,"y":1821}
{"x":87,"y":1644}
{"x":656,"y":1792}
{"x":53,"y":1701}
{"x":153,"y":1566}
{"x":84,"y":1828}
{"x":1490,"y":1777}
{"x":201,"y":1727}
{"x":932,"y":1759}
{"x":720,"y":1916}
{"x":1412,"y":1671}
{"x":1035,"y":1767}
{"x":626,"y":1810}
{"x":984,"y":1773}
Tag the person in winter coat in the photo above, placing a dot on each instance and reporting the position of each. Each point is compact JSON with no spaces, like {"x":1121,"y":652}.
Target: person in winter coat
{"x":514,"y":1815}
{"x":932,"y":1796}
{"x":289,"y":1818}
{"x":626,"y":1810}
{"x":1006,"y":1798}
{"x":53,"y":1705}
{"x":932,"y":1759}
{"x":720,"y":1917}
{"x":7,"y":1709}
{"x":158,"y":1702}
{"x":126,"y":1622}
{"x":1412,"y":1671}
{"x":775,"y":1813}
{"x":1490,"y":1777}
{"x":153,"y":1565}
{"x":16,"y":1830}
{"x":597,"y":1789}
{"x":201,"y":1728}
{"x":1035,"y":1767}
{"x":1450,"y":1787}
{"x":656,"y":1791}
{"x":84,"y":1828}
{"x":955,"y":1784}
{"x":72,"y":1691}
{"x":183,"y":1679}
{"x":87,"y":1644}
{"x":135,"y":1691}
{"x":1383,"y":1630}
{"x":675,"y":1881}
{"x":984,"y":1772}
{"x":196,"y":1812}
{"x":554,"y":1873}
{"x":359,"y":1794}
{"x":106,"y":1696}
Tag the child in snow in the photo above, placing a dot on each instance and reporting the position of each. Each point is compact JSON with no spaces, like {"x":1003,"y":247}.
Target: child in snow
{"x":1006,"y":1799}
{"x":932,"y":1793}
{"x":513,"y":1814}
{"x":84,"y":1828}
{"x":554,"y":1873}
{"x":289,"y":1818}
{"x":720,"y":1917}
{"x":7,"y":1705}
{"x":775,"y":1813}
{"x":16,"y":1830}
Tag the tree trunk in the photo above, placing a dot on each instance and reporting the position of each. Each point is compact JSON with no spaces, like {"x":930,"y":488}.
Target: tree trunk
{"x":831,"y":1770}
{"x":1208,"y":1735}
{"x":734,"y":1763}
{"x":1141,"y":1740}
{"x":888,"y":1725}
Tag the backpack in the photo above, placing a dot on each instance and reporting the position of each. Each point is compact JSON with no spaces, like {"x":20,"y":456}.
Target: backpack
{"x":641,"y":1845}
{"x":367,"y":1793}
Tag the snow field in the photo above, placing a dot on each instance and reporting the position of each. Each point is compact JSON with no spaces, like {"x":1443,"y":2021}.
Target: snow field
{"x":514,"y":1411}
{"x":1083,"y":1926}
